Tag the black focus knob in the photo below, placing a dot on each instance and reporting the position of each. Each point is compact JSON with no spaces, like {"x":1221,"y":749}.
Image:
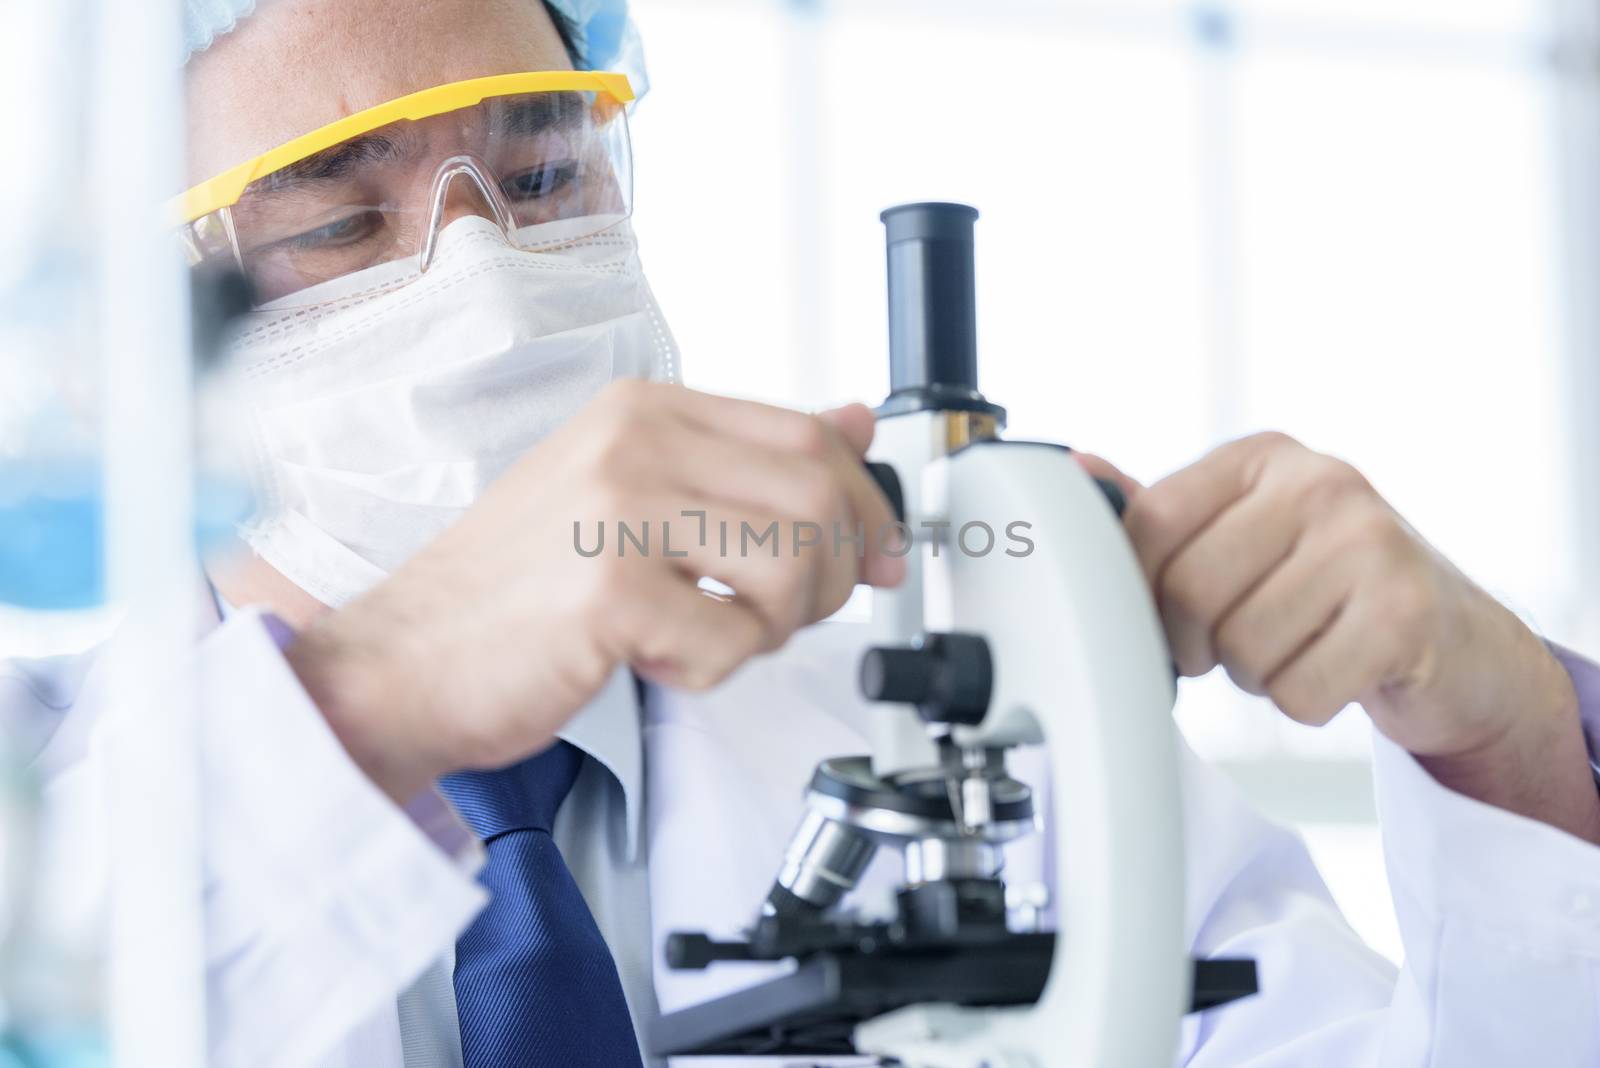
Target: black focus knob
{"x":889,"y":482}
{"x":1114,"y":495}
{"x":949,"y":677}
{"x":901,"y":675}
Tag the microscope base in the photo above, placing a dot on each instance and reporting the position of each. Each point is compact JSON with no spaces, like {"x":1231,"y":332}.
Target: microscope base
{"x":814,"y":1010}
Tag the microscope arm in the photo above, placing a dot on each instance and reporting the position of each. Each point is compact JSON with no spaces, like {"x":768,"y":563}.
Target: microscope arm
{"x":1079,"y":663}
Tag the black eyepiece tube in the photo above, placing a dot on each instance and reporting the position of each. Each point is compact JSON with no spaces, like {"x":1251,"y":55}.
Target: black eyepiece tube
{"x":933,"y":326}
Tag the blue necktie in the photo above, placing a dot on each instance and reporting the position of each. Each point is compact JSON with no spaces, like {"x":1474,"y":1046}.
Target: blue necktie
{"x":535,"y":983}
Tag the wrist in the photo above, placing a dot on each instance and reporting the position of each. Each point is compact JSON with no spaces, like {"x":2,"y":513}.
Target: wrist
{"x":1537,"y":763}
{"x":355,"y":684}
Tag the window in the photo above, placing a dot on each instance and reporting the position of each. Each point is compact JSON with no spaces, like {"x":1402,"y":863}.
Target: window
{"x":1338,"y":218}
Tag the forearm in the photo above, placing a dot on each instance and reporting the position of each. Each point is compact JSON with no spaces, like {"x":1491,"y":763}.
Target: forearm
{"x":346,"y":678}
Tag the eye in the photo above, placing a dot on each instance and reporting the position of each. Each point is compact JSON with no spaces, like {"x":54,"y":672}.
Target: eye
{"x":338,"y":233}
{"x":541,"y":182}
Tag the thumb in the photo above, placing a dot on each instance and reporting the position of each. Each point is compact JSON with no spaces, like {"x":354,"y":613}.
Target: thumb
{"x":854,"y":422}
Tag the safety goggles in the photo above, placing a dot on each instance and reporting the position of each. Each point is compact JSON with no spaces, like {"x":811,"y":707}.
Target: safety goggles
{"x":525,"y":150}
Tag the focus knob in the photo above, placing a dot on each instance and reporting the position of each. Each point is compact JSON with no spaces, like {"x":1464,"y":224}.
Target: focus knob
{"x":949,"y":677}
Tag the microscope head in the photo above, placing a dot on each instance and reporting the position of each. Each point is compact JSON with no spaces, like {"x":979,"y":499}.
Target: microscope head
{"x":944,"y":807}
{"x":973,"y":655}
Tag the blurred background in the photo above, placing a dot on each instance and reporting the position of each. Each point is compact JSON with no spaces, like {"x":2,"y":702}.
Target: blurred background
{"x":1368,"y":223}
{"x":1373,"y":224}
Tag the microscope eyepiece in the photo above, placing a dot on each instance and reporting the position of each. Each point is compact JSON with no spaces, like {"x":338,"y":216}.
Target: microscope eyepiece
{"x":933,"y":325}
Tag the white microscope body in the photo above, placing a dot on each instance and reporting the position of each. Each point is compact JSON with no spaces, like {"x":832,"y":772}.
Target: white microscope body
{"x":1080,"y":665}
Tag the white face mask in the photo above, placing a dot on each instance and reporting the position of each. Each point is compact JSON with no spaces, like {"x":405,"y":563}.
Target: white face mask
{"x":383,"y":403}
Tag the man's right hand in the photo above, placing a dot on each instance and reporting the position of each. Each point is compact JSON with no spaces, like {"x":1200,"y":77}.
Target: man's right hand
{"x":481,"y":647}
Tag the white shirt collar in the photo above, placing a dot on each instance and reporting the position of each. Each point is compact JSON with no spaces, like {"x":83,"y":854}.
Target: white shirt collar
{"x":608,"y":729}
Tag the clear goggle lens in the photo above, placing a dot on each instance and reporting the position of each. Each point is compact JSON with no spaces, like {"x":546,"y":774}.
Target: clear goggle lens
{"x":523,"y":160}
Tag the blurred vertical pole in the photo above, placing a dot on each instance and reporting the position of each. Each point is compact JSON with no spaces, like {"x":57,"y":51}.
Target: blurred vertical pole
{"x":1575,"y":26}
{"x":1215,"y":35}
{"x":803,"y":200}
{"x":156,"y":974}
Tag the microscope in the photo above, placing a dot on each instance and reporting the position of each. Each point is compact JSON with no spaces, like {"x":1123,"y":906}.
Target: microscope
{"x":1024,"y":620}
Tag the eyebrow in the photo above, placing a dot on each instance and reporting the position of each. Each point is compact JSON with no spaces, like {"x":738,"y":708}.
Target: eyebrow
{"x":534,"y":115}
{"x":525,"y":115}
{"x":336,"y":163}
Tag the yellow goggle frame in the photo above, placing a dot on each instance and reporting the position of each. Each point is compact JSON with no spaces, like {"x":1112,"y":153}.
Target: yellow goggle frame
{"x":225,"y":189}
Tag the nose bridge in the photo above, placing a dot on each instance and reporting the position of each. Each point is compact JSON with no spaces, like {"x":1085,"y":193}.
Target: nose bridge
{"x":463,"y":185}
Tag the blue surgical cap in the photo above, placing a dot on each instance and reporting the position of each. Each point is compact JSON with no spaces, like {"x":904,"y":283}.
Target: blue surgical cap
{"x":605,"y":36}
{"x":205,"y":20}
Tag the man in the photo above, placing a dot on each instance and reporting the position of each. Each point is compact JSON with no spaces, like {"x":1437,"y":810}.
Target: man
{"x":428,"y":376}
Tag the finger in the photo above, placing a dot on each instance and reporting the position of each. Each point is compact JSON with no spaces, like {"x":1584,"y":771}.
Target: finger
{"x":820,"y":439}
{"x":1217,"y":569}
{"x":867,"y":521}
{"x":1339,"y":665}
{"x":767,"y":424}
{"x":714,"y":466}
{"x":855,"y":422}
{"x":857,"y":425}
{"x":1163,"y":518}
{"x":1299,"y":598}
{"x":853,"y":521}
{"x":784,"y":570}
{"x":673,"y":633}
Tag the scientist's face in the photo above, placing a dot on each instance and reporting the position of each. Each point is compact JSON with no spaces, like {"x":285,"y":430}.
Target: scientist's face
{"x":296,"y":65}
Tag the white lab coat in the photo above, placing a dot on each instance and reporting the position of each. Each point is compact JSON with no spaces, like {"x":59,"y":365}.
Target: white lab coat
{"x":324,"y":901}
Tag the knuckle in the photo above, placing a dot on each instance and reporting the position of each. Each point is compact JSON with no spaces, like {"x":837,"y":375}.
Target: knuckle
{"x":617,"y":444}
{"x":1335,"y":474}
{"x":1406,"y":602}
{"x":1379,"y":534}
{"x":1372,"y":525}
{"x":1152,"y":514}
{"x":1326,"y":470}
{"x":1186,"y":588}
{"x":1324,"y":479}
{"x":1263,"y":455}
{"x":626,"y":394}
{"x":1268,"y":442}
{"x":609,"y":459}
{"x":1234,"y":640}
{"x":1302,"y":700}
{"x":1246,"y":679}
{"x":1250,"y":456}
{"x":1241,"y":653}
{"x":1192,"y":662}
{"x":811,"y":436}
{"x":816,"y":495}
{"x":1189,"y":645}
